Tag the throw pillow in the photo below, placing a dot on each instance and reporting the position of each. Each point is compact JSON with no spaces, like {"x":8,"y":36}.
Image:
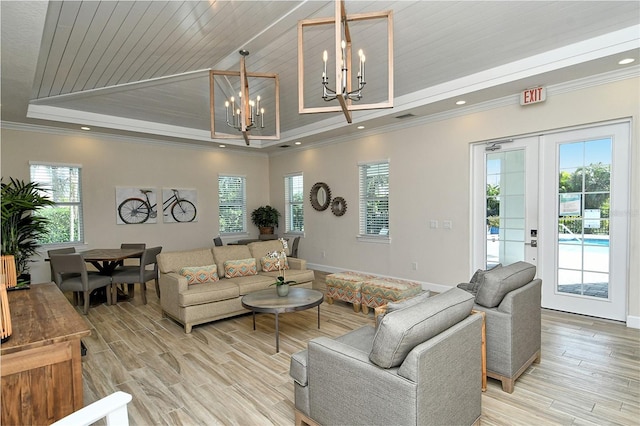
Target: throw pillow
{"x":270,"y":264}
{"x":478,"y":278}
{"x":200,"y":274}
{"x":498,"y":282}
{"x":240,"y":268}
{"x":402,"y":304}
{"x":400,"y":331}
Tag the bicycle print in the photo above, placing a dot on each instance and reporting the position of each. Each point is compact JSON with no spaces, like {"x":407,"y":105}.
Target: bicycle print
{"x":141,"y":207}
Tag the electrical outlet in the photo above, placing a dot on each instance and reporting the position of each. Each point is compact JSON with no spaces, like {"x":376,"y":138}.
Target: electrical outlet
{"x":433,"y":223}
{"x":414,"y":266}
{"x":446,"y":224}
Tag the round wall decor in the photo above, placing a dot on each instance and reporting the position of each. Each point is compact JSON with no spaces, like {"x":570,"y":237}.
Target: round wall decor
{"x":320,"y":196}
{"x":338,"y":206}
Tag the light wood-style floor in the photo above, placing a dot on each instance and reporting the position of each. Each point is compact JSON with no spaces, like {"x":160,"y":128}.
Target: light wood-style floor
{"x":226,"y":373}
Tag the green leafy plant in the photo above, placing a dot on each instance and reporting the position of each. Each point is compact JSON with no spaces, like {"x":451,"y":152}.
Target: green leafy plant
{"x":265,"y":217}
{"x":21,"y":228}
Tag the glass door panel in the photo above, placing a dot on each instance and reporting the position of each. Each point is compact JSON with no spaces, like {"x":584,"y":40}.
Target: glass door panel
{"x":583,"y":227}
{"x":505,"y":207}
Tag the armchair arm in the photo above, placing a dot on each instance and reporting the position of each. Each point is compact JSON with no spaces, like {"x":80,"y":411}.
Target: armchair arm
{"x":343,"y":384}
{"x":514,"y":329}
{"x":171,"y":285}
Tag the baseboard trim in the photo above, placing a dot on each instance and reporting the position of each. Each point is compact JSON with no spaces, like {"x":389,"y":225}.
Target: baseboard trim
{"x":633,"y":321}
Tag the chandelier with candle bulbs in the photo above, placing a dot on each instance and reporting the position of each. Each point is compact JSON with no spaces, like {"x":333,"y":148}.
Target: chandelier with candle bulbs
{"x":329,"y":94}
{"x":344,"y":87}
{"x":245,"y":113}
{"x":248,"y":113}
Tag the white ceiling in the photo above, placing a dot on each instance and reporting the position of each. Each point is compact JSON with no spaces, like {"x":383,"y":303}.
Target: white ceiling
{"x":141,"y":68}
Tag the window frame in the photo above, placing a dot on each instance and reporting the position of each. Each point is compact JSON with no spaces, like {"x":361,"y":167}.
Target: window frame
{"x":242,"y":204}
{"x":80,"y":240}
{"x":289,"y":203}
{"x":363,"y":200}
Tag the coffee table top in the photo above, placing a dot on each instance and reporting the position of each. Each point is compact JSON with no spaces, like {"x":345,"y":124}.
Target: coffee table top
{"x":268,"y":300}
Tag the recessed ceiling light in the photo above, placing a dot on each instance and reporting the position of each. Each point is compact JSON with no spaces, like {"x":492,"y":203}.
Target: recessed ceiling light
{"x":298,"y":143}
{"x":85,"y":128}
{"x":626,"y":61}
{"x":461,"y":102}
{"x":222,"y":146}
{"x":360,"y":127}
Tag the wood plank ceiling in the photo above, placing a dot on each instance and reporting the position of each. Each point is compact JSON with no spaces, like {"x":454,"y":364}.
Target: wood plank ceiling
{"x":148,"y":61}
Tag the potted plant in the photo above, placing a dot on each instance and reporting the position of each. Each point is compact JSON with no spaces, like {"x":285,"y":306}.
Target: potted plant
{"x":282,"y":286}
{"x":20,"y":229}
{"x":265,"y":218}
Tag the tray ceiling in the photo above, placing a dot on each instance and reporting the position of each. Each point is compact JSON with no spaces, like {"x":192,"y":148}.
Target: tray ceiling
{"x":141,"y":68}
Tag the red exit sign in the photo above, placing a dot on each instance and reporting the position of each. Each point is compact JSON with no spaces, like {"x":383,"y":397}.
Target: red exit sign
{"x":533,"y":95}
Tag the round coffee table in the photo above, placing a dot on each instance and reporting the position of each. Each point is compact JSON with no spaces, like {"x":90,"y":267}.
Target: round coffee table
{"x":298,"y":299}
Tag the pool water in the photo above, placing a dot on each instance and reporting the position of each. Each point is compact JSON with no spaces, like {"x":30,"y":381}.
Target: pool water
{"x":604,"y":242}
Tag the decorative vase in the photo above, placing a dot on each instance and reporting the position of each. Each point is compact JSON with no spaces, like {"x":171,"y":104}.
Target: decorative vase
{"x":282,"y":289}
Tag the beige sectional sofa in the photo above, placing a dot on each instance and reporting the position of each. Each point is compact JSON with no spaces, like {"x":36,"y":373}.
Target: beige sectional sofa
{"x":209,"y":301}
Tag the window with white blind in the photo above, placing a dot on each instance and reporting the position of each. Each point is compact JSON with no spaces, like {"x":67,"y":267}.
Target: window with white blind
{"x":62,"y":184}
{"x":232,"y":203}
{"x":294,"y":203}
{"x":374,"y":199}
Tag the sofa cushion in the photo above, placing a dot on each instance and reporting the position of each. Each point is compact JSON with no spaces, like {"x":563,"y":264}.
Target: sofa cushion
{"x":173,"y":261}
{"x":200,"y":274}
{"x":240,"y":268}
{"x":500,"y":281}
{"x":199,"y":294}
{"x":401,"y":330}
{"x":229,"y":252}
{"x":270,"y":264}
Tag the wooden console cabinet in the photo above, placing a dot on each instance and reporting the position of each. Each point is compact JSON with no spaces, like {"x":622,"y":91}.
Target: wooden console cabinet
{"x":40,"y":365}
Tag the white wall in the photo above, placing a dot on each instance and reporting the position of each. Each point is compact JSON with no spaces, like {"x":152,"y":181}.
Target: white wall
{"x":108,"y":163}
{"x":429,"y":179}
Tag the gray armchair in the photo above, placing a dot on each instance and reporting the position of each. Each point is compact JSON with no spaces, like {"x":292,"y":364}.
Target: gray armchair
{"x":422,"y":365}
{"x":510,"y":298}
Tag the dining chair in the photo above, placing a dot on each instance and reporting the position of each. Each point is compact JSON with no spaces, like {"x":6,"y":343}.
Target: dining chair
{"x":129,"y":246}
{"x":140,"y":274}
{"x":294,"y":247}
{"x":70,"y":274}
{"x":66,"y":250}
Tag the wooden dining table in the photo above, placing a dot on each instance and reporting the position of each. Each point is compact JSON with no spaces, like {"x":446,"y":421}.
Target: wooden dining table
{"x":106,"y":260}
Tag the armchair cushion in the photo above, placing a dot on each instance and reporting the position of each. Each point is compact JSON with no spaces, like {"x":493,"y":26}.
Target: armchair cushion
{"x":401,"y":330}
{"x":498,"y":282}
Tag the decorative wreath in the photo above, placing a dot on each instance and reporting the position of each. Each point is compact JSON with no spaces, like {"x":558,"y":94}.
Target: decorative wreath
{"x":338,"y":206}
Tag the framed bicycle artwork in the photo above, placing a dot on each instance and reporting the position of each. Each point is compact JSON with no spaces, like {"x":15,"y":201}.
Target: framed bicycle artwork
{"x":135,"y":205}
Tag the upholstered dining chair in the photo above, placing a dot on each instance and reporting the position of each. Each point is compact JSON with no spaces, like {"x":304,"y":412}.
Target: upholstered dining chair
{"x":140,"y":274}
{"x":66,"y":250}
{"x":70,"y":274}
{"x":294,"y":247}
{"x":130,"y":246}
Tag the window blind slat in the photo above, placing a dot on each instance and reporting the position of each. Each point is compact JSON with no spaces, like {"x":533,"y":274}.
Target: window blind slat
{"x":294,"y":203}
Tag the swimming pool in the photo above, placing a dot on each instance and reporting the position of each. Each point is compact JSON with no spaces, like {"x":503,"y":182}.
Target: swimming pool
{"x":603,"y":242}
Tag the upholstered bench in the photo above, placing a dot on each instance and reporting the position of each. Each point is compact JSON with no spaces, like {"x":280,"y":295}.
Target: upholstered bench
{"x":380,"y":291}
{"x":346,"y":286}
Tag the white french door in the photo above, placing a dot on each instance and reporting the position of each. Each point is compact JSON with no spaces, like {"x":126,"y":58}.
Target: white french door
{"x":584,"y":220}
{"x":561,"y":202}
